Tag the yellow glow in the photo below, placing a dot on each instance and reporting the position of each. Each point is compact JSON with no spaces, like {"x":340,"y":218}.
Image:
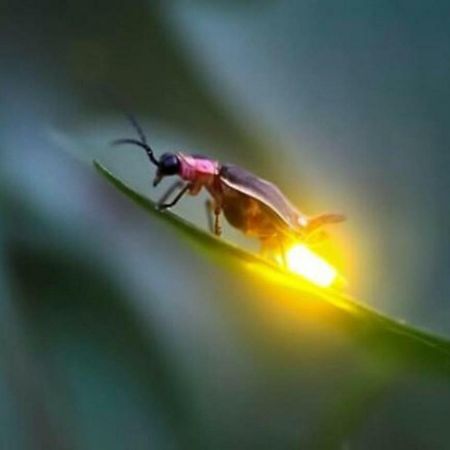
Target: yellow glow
{"x":303,"y":261}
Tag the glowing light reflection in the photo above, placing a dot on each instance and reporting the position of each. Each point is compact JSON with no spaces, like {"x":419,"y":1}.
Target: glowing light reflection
{"x":303,"y":261}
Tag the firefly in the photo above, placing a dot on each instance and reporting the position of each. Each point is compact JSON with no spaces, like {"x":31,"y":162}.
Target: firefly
{"x":249,"y":203}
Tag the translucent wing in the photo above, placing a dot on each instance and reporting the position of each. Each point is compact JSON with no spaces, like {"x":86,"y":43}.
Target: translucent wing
{"x":263,"y":191}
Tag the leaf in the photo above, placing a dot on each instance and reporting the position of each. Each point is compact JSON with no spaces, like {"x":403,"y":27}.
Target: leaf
{"x":394,"y":341}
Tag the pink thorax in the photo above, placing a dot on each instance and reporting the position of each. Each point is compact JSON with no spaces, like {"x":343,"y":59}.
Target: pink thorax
{"x":192,"y":168}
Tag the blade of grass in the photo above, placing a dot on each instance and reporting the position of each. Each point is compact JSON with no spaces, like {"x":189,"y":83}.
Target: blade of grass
{"x":390,"y":338}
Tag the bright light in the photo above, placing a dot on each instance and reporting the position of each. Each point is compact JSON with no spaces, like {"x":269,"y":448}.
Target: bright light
{"x":301,"y":260}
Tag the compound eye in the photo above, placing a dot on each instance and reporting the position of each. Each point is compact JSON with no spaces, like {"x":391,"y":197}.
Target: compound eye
{"x":169,"y":164}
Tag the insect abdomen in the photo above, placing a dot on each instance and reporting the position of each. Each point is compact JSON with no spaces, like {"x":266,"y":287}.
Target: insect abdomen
{"x":269,"y":197}
{"x":248,"y":215}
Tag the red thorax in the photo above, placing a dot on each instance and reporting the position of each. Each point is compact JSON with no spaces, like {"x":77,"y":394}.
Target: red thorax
{"x":195,"y":169}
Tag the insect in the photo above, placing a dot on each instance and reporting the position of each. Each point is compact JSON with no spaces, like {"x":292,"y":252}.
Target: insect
{"x":255,"y":206}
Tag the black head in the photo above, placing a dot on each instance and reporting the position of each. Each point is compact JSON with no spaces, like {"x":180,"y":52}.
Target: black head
{"x":168,"y":164}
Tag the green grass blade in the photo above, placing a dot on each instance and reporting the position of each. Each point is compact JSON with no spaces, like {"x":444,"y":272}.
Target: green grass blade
{"x":390,"y":339}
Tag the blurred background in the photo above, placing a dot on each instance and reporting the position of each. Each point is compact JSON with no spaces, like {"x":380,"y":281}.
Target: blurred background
{"x":116,"y":332}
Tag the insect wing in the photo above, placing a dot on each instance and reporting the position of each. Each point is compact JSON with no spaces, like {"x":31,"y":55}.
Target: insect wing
{"x":261,"y":190}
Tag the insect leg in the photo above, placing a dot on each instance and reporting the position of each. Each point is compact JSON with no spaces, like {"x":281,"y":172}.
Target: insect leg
{"x":176,"y":185}
{"x":264,"y":250}
{"x":282,"y":252}
{"x":176,"y":199}
{"x":217,"y":227}
{"x":213,"y":208}
{"x":270,"y":249}
{"x":209,"y":213}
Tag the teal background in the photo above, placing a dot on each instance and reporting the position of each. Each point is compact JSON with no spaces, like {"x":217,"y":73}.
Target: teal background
{"x":115,"y":332}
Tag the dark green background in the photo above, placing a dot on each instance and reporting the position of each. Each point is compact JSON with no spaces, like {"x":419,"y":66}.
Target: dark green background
{"x":116,"y":332}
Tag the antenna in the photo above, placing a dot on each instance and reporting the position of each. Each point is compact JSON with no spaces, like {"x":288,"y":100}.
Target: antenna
{"x":141,"y":142}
